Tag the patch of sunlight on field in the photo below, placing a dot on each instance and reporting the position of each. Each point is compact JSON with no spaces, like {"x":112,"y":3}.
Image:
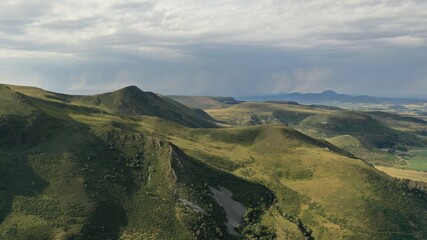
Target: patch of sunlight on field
{"x":403,"y":173}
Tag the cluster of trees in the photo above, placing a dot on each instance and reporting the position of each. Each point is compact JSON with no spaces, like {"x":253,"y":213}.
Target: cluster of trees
{"x":304,"y":229}
{"x":252,"y":229}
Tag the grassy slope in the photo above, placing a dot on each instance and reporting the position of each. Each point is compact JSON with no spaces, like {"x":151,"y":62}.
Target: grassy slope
{"x":414,"y":159}
{"x":13,"y":104}
{"x":94,"y":166}
{"x":93,"y":180}
{"x":204,"y":102}
{"x":408,"y":124}
{"x":371,"y":132}
{"x":404,"y":174}
{"x":301,"y":175}
{"x":130,"y":101}
{"x":372,"y":155}
{"x":254,"y":113}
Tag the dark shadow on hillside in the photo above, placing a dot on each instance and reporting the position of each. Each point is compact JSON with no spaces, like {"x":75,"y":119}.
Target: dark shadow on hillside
{"x":63,"y":106}
{"x":58,"y":97}
{"x":201,"y":178}
{"x":17,"y":178}
{"x":18,"y":132}
{"x":105,"y":222}
{"x":394,"y":216}
{"x":193,"y":171}
{"x":106,"y":176}
{"x":112,"y":165}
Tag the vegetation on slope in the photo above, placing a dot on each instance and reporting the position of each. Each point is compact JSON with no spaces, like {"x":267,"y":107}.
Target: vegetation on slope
{"x":404,"y":173}
{"x":100,"y":175}
{"x":102,"y":181}
{"x":327,"y":193}
{"x":377,"y":137}
{"x":131,"y":101}
{"x":204,"y":102}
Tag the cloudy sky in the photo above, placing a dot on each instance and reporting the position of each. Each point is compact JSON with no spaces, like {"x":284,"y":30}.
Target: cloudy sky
{"x":216,"y":47}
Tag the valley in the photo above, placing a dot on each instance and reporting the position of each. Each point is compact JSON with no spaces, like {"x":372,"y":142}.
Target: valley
{"x":213,"y":120}
{"x":137,"y":165}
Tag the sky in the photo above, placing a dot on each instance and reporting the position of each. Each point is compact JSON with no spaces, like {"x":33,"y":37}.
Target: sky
{"x":217,"y":47}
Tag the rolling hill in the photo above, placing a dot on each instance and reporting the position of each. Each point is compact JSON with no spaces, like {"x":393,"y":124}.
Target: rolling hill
{"x":373,"y":131}
{"x":90,"y":180}
{"x":71,"y":171}
{"x":204,"y":102}
{"x":131,"y":101}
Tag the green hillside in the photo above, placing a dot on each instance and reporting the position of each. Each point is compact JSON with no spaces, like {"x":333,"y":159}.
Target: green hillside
{"x":75,"y":172}
{"x":131,"y":101}
{"x":102,"y":181}
{"x":368,"y":130}
{"x":204,"y":102}
{"x":403,"y":123}
{"x":379,"y":134}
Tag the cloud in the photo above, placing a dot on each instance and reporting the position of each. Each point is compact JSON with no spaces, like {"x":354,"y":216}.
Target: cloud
{"x":216,"y":47}
{"x":301,"y":80}
{"x":317,"y":23}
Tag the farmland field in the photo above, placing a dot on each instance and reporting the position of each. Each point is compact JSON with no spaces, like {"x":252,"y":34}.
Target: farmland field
{"x":416,"y":159}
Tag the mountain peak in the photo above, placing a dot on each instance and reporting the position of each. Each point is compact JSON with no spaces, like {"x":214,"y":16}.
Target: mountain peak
{"x":132,"y":101}
{"x":131,"y":88}
{"x":329,"y":92}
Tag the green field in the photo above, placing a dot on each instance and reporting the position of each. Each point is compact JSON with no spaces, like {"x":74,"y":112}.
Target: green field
{"x":416,"y":159}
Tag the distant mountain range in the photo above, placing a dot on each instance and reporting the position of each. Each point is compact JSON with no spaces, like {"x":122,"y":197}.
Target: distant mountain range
{"x":330,"y":96}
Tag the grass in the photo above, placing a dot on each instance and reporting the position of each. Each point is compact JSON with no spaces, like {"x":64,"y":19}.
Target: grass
{"x":345,"y":141}
{"x":416,"y":159}
{"x":401,"y":123}
{"x":204,"y":102}
{"x":254,"y":113}
{"x":98,"y":163}
{"x":404,"y":174}
{"x":297,"y":172}
{"x":97,"y":175}
{"x":362,"y":134}
{"x":128,"y":101}
{"x":13,"y":103}
{"x":372,"y":155}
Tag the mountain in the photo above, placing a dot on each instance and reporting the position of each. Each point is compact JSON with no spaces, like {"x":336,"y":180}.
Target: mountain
{"x":330,"y":96}
{"x":205,"y":102}
{"x":105,"y":167}
{"x":69,"y":171}
{"x":132,"y":101}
